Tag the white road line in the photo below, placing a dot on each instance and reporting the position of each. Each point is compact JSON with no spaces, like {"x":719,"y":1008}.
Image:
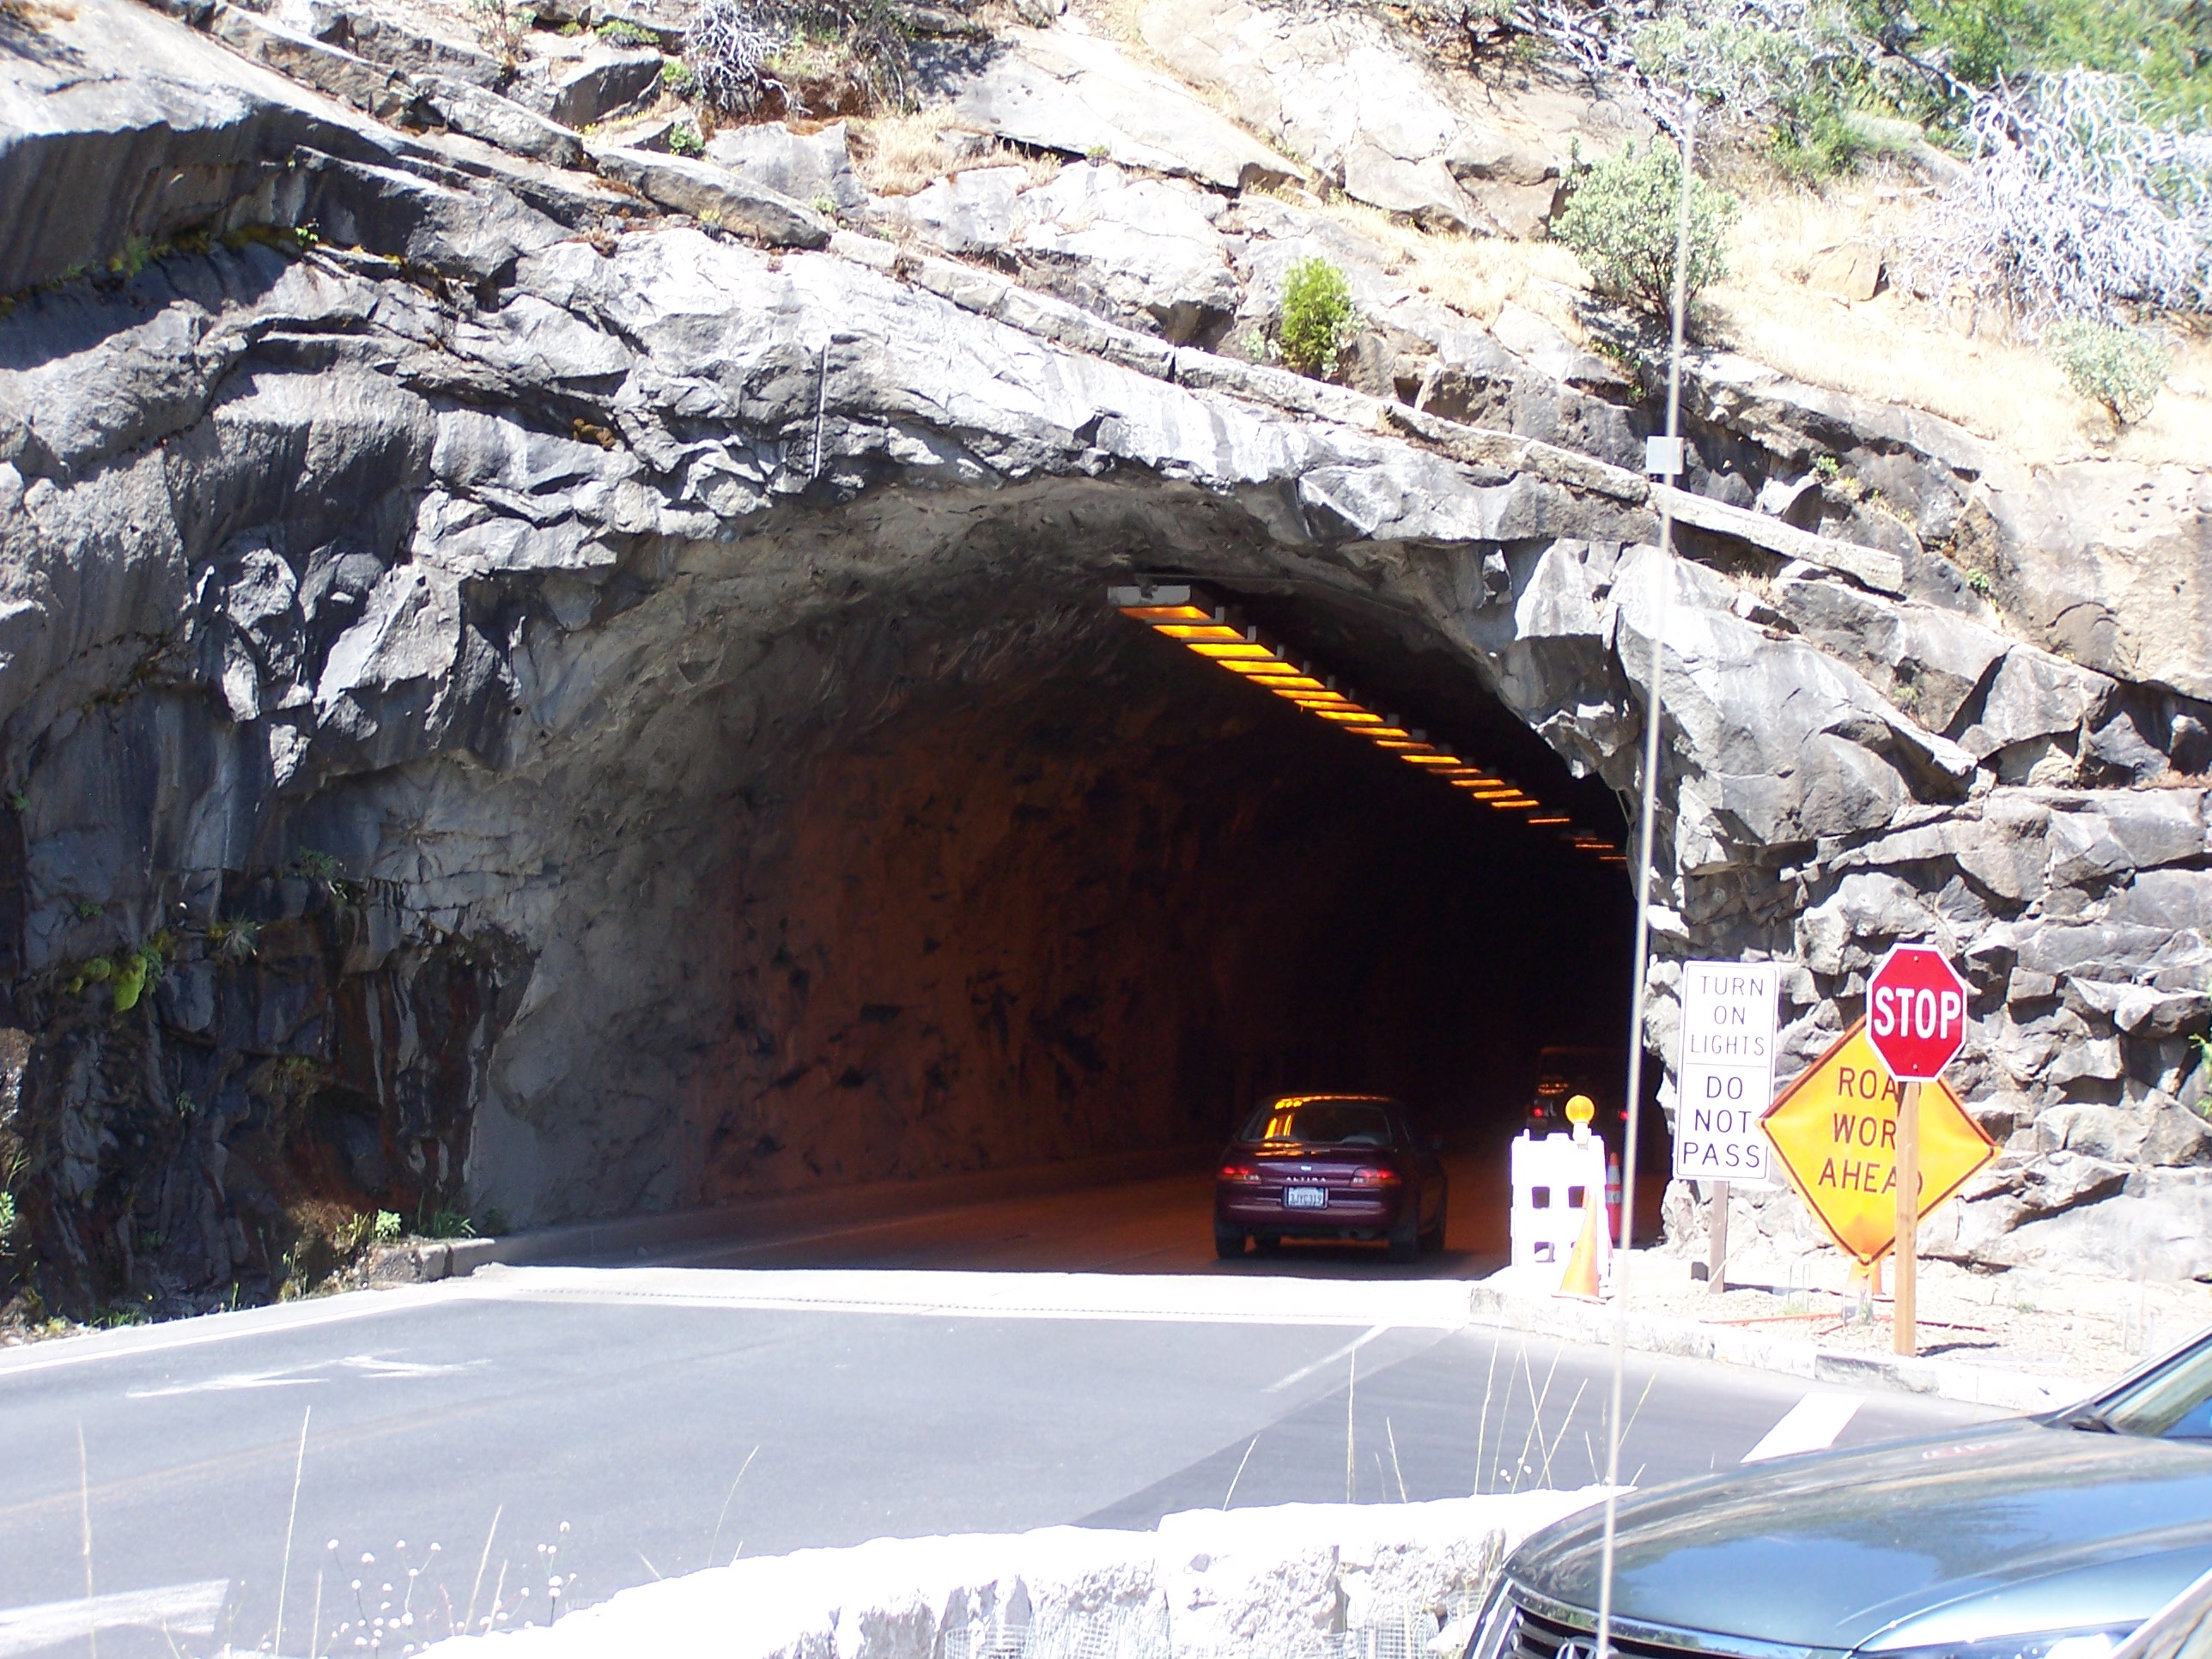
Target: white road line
{"x":1329,"y":1358}
{"x":1429,"y":1304}
{"x":1811,"y":1424}
{"x":198,"y":1333}
{"x":178,"y":1609}
{"x":235,"y":1382}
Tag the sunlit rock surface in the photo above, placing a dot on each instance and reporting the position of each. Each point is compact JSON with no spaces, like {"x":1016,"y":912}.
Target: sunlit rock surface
{"x":555,"y":700}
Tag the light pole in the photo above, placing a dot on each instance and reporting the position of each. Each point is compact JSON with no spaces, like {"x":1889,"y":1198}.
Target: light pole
{"x":1663,"y":459}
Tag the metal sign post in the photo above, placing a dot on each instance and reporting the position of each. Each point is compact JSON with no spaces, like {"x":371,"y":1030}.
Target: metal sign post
{"x":1724,"y":1081}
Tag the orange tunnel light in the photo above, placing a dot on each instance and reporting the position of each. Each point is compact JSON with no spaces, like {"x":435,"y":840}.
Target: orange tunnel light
{"x":1156,"y":614}
{"x":1244,"y":649}
{"x":1210,"y":632}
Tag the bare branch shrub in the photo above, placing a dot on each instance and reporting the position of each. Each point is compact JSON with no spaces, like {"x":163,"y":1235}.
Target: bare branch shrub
{"x":2076,"y":205}
{"x":727,"y":51}
{"x":740,"y":50}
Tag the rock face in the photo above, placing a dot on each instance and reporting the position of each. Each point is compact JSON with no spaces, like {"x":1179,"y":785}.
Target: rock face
{"x":1079,"y":96}
{"x":810,"y":167}
{"x":559,"y":698}
{"x":1373,"y":113}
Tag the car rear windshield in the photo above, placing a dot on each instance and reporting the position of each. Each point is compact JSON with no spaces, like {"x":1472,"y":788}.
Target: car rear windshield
{"x":1321,"y":1123}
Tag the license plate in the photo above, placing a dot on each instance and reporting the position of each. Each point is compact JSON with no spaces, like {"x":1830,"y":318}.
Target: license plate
{"x":1305,"y":1198}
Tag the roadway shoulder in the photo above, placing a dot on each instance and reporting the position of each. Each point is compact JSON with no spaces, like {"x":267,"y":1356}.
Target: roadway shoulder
{"x":1969,"y":1382}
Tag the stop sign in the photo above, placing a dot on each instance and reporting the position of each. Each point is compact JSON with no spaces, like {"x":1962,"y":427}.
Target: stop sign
{"x":1916,"y":1013}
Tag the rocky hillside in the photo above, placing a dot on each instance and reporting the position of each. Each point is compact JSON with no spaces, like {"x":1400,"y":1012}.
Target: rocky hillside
{"x":481,"y":589}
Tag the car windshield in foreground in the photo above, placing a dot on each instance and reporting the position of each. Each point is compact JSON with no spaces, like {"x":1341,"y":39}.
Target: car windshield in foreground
{"x":2173,"y":1402}
{"x":1321,"y":1123}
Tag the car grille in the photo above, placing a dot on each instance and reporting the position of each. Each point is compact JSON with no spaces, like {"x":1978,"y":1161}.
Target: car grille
{"x":1533,"y":1636}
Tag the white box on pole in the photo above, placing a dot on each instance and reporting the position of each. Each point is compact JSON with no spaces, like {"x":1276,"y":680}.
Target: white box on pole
{"x":1724,"y":1071}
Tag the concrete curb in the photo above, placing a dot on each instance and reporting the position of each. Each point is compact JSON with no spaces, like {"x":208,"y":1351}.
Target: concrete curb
{"x":1964,"y":1380}
{"x":586,"y":1243}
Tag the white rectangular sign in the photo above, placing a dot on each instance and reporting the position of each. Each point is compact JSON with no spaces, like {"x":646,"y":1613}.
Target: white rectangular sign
{"x":1724,"y":1071}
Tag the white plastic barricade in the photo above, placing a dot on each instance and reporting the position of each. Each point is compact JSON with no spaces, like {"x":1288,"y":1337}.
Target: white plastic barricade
{"x":1553,"y":1180}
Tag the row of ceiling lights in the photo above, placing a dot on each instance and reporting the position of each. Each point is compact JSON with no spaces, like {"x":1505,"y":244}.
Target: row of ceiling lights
{"x":1194,"y":621}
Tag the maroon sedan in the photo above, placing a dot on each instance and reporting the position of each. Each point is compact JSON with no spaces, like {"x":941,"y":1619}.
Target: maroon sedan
{"x":1329,"y":1166}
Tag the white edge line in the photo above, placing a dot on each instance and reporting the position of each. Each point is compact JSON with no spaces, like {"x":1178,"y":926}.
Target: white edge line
{"x":1811,"y":1424}
{"x":1329,"y":1358}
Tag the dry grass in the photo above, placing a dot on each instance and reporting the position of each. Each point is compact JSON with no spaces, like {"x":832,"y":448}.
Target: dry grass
{"x":901,"y":154}
{"x":1895,"y":347}
{"x":1476,"y":276}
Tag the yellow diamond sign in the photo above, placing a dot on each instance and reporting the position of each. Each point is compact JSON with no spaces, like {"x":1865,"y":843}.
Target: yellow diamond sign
{"x":1834,"y":1132}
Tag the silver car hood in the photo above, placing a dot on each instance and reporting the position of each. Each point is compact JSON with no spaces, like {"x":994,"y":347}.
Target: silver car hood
{"x":2014,"y":1527}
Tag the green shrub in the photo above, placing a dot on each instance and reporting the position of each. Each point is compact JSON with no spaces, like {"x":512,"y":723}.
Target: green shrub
{"x":1620,"y":223}
{"x":1316,"y":320}
{"x":387,"y":1227}
{"x":2119,"y":369}
{"x":684,"y":140}
{"x":1982,"y":42}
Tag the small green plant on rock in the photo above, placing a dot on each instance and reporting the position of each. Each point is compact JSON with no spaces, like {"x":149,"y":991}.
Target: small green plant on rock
{"x":2120,"y":369}
{"x":232,"y":941}
{"x":1621,"y":223}
{"x":137,"y":969}
{"x":314,"y":864}
{"x":676,"y":76}
{"x":615,"y":32}
{"x":1316,"y":321}
{"x":684,"y":140}
{"x":1980,"y":583}
{"x":387,"y":1227}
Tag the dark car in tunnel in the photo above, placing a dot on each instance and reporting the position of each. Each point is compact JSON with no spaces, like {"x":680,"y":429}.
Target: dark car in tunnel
{"x":1561,"y":1074}
{"x":2046,"y":1537}
{"x":1330,"y":1167}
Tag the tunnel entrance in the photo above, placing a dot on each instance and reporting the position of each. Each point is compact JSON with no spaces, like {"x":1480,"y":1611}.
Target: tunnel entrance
{"x":1085,"y":892}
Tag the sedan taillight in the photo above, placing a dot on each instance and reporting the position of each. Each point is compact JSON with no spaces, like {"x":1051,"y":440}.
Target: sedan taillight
{"x":1374,"y":1177}
{"x":1241,"y":1172}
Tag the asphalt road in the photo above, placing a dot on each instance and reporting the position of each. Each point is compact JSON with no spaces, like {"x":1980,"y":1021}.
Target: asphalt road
{"x":640,"y":1421}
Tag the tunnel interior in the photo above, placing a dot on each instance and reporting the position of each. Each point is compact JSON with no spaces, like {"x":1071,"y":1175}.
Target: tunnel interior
{"x":1090,"y":893}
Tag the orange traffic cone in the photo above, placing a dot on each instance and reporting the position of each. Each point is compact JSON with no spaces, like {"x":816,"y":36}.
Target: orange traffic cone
{"x":1582,"y":1280}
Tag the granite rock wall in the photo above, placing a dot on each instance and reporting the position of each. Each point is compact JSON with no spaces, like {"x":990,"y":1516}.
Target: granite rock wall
{"x":503,"y":673}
